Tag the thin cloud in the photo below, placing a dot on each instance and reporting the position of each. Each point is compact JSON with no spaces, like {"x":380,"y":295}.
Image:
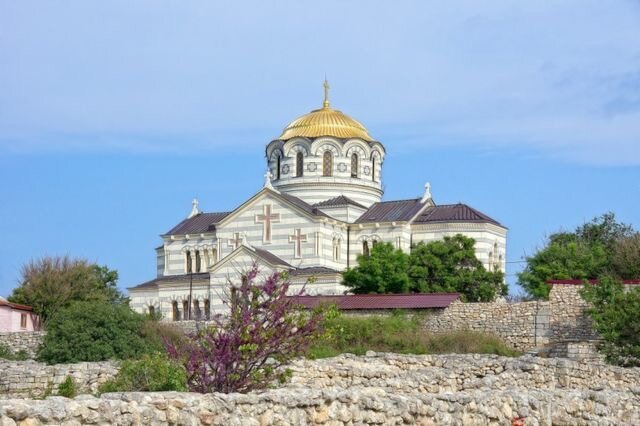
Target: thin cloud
{"x":559,"y":77}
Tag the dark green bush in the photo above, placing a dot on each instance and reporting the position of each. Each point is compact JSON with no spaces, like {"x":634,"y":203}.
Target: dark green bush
{"x":95,"y":331}
{"x":616,"y":317}
{"x":68,"y":388}
{"x":151,"y":373}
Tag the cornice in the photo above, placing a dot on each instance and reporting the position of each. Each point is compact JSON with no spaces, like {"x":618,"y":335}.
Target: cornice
{"x":461,"y":226}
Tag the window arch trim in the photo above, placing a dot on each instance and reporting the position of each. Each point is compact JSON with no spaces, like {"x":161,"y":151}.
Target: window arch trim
{"x":354,"y":165}
{"x":299,"y":164}
{"x":327,"y":163}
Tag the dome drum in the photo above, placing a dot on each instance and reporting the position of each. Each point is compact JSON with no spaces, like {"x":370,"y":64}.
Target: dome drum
{"x":325,"y":154}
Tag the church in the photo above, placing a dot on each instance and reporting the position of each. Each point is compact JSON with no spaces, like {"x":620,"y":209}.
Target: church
{"x":320,"y":208}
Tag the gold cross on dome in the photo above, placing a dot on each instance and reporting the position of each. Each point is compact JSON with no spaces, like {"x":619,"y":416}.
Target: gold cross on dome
{"x":325,"y":104}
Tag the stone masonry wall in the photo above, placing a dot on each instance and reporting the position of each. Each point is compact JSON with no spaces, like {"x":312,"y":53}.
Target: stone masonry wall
{"x":560,"y":323}
{"x":569,"y":319}
{"x":522,"y":325}
{"x":30,"y":379}
{"x":28,"y":341}
{"x":377,"y":389}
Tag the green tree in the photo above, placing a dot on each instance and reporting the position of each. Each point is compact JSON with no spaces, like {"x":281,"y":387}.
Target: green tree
{"x":383,"y":271}
{"x":451,"y":265}
{"x":585,"y":253}
{"x":95,"y":331}
{"x":52,"y":283}
{"x":625,"y":259}
{"x":604,"y":231}
{"x":615,"y":314}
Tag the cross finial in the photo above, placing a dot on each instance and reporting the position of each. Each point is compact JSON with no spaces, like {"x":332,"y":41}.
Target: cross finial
{"x":267,"y":179}
{"x":194,"y":208}
{"x":427,"y":192}
{"x":325,"y":104}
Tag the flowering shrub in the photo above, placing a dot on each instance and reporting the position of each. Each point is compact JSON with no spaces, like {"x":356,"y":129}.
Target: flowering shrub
{"x":247,"y":349}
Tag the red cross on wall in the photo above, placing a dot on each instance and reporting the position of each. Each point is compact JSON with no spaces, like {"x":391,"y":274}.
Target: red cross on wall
{"x":267,"y":218}
{"x":298,"y":238}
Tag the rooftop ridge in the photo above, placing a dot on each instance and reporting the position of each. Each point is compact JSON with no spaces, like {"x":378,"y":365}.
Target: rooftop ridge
{"x":333,"y":202}
{"x":398,"y":201}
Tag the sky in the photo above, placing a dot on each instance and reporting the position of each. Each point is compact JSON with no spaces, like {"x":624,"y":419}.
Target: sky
{"x":114,"y":115}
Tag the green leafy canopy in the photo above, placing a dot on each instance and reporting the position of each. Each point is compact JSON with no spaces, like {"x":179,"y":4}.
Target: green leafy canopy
{"x":601,"y":246}
{"x":448,"y":265}
{"x":52,"y":283}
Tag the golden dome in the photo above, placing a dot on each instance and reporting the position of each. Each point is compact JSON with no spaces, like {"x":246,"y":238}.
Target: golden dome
{"x":326,"y":122}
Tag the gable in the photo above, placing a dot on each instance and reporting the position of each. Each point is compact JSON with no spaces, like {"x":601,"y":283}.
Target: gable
{"x":268,"y":220}
{"x":240,"y":261}
{"x":285,"y":201}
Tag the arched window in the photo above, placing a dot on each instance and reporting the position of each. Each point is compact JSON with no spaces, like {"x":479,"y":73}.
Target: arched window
{"x":189,"y":265}
{"x":152,"y":311}
{"x":327,"y":164}
{"x":198,"y":261}
{"x":278,"y":167}
{"x":490,"y":260}
{"x":185,"y":310}
{"x":175,"y":311}
{"x":365,"y":248}
{"x":374,"y":242}
{"x":336,"y":250}
{"x":234,"y":295}
{"x":373,"y":169}
{"x":207,"y":309}
{"x":196,"y":310}
{"x":354,"y":165}
{"x":299,"y":164}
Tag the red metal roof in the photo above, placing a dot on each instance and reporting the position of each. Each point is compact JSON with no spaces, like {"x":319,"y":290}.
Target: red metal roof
{"x":453,"y":213}
{"x":580,"y":282}
{"x":382,"y":301}
{"x":15,"y":305}
{"x":202,"y":222}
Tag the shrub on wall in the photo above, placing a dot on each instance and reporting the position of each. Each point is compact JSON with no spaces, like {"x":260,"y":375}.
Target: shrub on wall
{"x":68,"y":388}
{"x":151,"y":373}
{"x":94,"y":331}
{"x":616,"y":316}
{"x":7,"y":353}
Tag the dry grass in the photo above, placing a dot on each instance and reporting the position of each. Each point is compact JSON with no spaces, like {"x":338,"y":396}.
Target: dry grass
{"x":401,"y":334}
